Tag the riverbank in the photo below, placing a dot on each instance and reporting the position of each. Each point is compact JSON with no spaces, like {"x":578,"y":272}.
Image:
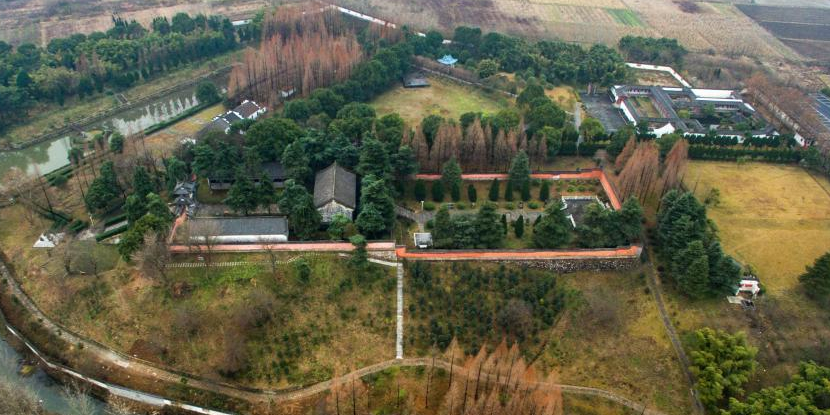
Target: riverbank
{"x":54,"y":122}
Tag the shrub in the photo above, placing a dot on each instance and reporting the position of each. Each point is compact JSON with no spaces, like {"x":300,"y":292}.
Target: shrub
{"x":420,"y":190}
{"x":438,"y":191}
{"x":533,"y":205}
{"x":509,"y":206}
{"x":460,"y":206}
{"x":429,"y":206}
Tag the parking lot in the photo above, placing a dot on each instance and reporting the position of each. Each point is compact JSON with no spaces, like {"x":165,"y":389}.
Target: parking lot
{"x":601,"y":107}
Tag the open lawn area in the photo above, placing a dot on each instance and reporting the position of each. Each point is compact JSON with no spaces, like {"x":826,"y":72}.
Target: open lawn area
{"x":563,"y":96}
{"x":776,"y":219}
{"x":443,"y":97}
{"x":162,"y":143}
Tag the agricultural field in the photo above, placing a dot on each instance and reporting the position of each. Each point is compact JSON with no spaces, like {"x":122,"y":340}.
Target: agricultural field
{"x":40,"y":21}
{"x":718,"y":27}
{"x":805,"y":29}
{"x":606,"y":331}
{"x":443,"y":97}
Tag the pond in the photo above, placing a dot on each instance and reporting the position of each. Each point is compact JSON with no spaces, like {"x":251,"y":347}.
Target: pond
{"x":51,"y":155}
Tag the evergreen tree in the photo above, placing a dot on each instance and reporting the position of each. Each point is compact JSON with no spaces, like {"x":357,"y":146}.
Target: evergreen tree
{"x":242,"y":196}
{"x":508,"y":192}
{"x":295,"y":161}
{"x":338,"y":227}
{"x":360,"y":257}
{"x":451,"y":174}
{"x":455,"y":192}
{"x":117,"y":143}
{"x":691,"y":270}
{"x":442,"y":229}
{"x":494,"y":191}
{"x":142,"y":183}
{"x":816,"y":280}
{"x":519,"y":227}
{"x":420,"y":190}
{"x":157,"y":208}
{"x":544,"y":191}
{"x":631,"y":220}
{"x":519,"y":170}
{"x":438,"y":191}
{"x":374,"y":160}
{"x":297,"y":203}
{"x":472,"y":196}
{"x":488,"y":228}
{"x":135,"y":207}
{"x":377,"y":207}
{"x":553,"y":229}
{"x":526,"y":191}
{"x":504,"y":224}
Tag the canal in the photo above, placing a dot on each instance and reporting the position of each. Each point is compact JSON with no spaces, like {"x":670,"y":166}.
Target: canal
{"x":52,"y":155}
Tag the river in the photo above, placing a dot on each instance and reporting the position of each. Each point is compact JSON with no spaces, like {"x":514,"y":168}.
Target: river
{"x":52,"y":155}
{"x":47,"y":391}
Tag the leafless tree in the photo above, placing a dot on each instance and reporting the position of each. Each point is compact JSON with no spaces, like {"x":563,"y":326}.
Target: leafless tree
{"x":187,"y":321}
{"x":78,"y":400}
{"x":235,"y":354}
{"x":15,"y":397}
{"x":153,"y":257}
{"x":273,"y":258}
{"x":203,"y":239}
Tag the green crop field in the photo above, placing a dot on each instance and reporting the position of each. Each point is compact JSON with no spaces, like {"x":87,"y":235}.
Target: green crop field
{"x":626,"y":17}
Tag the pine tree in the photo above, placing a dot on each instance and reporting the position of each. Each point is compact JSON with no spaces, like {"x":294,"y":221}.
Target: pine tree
{"x":142,"y":183}
{"x":487,"y":227}
{"x":691,"y":270}
{"x":544,"y":191}
{"x":494,"y":191}
{"x":519,"y":170}
{"x":816,"y":280}
{"x":508,"y":191}
{"x":455,"y":192}
{"x":438,"y":191}
{"x":442,"y":228}
{"x":519,"y":227}
{"x":420,"y":190}
{"x":553,"y":230}
{"x":472,"y":196}
{"x":526,"y":191}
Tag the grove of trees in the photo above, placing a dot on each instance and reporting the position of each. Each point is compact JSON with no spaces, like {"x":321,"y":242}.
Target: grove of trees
{"x":84,"y":65}
{"x":687,"y":242}
{"x":722,"y":363}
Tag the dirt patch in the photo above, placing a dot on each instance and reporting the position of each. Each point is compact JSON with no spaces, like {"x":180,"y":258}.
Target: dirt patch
{"x":688,"y":6}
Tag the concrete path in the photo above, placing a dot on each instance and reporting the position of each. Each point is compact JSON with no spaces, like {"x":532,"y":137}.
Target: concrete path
{"x":399,"y":316}
{"x":284,"y":247}
{"x":507,"y":255}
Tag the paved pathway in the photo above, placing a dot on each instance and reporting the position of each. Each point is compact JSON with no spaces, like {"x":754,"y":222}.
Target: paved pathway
{"x":284,"y":247}
{"x":399,"y":316}
{"x":506,"y":255}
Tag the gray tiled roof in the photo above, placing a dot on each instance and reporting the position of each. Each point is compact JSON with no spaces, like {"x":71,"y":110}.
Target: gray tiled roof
{"x":335,"y":183}
{"x":248,"y":225}
{"x":246,"y":109}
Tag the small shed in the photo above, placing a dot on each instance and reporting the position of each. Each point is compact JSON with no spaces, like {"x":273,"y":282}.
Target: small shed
{"x":415,"y":80}
{"x":335,"y":192}
{"x":749,"y":286}
{"x":448,"y":60}
{"x":423,"y":240}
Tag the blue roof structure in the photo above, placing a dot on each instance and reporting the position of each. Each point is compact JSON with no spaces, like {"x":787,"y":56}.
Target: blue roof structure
{"x":448,"y":60}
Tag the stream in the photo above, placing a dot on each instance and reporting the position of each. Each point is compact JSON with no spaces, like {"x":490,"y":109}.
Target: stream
{"x":48,"y":392}
{"x":52,"y":155}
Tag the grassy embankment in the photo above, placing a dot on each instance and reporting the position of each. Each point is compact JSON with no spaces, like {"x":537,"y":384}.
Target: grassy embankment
{"x":777,"y":220}
{"x":44,"y":118}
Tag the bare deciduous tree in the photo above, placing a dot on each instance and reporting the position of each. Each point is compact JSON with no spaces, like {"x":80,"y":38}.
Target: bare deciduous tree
{"x":153,"y":257}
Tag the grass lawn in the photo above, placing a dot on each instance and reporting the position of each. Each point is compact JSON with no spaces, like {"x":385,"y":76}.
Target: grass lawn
{"x":443,"y":97}
{"x":162,"y":143}
{"x":776,"y":219}
{"x":646,"y":107}
{"x":564,"y":96}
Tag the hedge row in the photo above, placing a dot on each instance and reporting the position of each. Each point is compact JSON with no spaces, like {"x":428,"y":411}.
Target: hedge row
{"x":699,"y":152}
{"x":104,"y":235}
{"x":115,"y":219}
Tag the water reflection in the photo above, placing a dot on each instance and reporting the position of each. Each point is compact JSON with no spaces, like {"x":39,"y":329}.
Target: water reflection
{"x":49,"y":393}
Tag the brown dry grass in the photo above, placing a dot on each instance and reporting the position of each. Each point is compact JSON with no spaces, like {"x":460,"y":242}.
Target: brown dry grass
{"x":776,"y":218}
{"x":622,"y":347}
{"x":564,"y":96}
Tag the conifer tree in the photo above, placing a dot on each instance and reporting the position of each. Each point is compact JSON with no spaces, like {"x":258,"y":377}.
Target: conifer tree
{"x":494,"y":191}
